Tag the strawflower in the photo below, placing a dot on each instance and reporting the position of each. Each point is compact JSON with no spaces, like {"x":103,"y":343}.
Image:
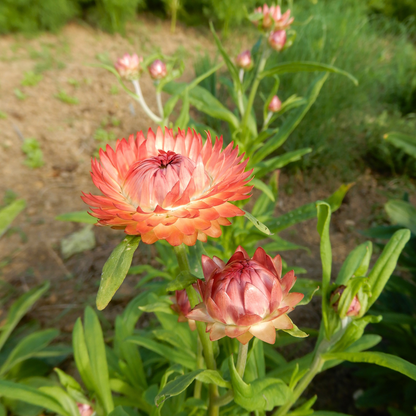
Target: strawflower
{"x":277,"y":40}
{"x":182,"y":307}
{"x":245,"y":297}
{"x":85,"y":409}
{"x":244,"y":60}
{"x":355,"y":306}
{"x":129,"y":66}
{"x":157,"y":69}
{"x":167,"y":187}
{"x":275,"y":104}
{"x":273,"y":17}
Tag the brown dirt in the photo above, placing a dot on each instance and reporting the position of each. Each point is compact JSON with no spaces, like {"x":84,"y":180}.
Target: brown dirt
{"x":66,"y":136}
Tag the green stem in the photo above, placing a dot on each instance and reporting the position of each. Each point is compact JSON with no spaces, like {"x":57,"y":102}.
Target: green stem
{"x":213,"y":409}
{"x":199,"y":364}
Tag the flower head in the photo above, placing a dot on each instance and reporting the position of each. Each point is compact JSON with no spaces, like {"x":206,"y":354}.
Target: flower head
{"x":277,"y":40}
{"x":354,"y":308}
{"x":275,"y":104}
{"x":157,"y":69}
{"x":245,"y":297}
{"x":273,"y":17}
{"x":244,"y":60}
{"x":182,"y":307}
{"x":129,"y":66}
{"x":85,"y":409}
{"x":167,"y":187}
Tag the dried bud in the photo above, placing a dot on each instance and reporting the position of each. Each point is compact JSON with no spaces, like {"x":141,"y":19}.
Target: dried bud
{"x":277,"y":40}
{"x":244,"y":60}
{"x":182,"y":307}
{"x":129,"y":66}
{"x":355,"y":306}
{"x":85,"y":409}
{"x":157,"y":69}
{"x":275,"y":104}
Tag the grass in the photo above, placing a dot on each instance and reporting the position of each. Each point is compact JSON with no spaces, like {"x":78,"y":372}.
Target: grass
{"x":65,"y":98}
{"x":31,"y":79}
{"x":346,"y":125}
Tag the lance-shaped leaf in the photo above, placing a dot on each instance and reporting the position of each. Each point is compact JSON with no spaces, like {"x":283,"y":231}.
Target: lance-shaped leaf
{"x":262,"y":394}
{"x":384,"y":360}
{"x":356,"y":264}
{"x":295,"y":331}
{"x":305,"y":67}
{"x":402,"y":141}
{"x":308,"y":287}
{"x":402,"y":213}
{"x":183,"y":280}
{"x":77,"y":216}
{"x":260,"y":226}
{"x":115,"y":270}
{"x":9,"y":213}
{"x":183,"y":119}
{"x":118,"y":411}
{"x":386,"y":263}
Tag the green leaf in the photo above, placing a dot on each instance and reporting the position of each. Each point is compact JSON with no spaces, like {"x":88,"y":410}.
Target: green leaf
{"x":96,"y":350}
{"x":263,"y":168}
{"x":402,"y":213}
{"x":78,"y":242}
{"x":262,"y":394}
{"x":290,"y":124}
{"x":3,"y":411}
{"x":286,"y":67}
{"x":295,"y":331}
{"x":176,"y":356}
{"x":28,"y":347}
{"x":67,"y":381}
{"x":213,"y":377}
{"x":384,"y":360}
{"x":402,"y":141}
{"x":306,"y":286}
{"x":386,"y":263}
{"x":118,"y":411}
{"x":63,"y":398}
{"x":257,"y":223}
{"x":9,"y":213}
{"x":183,"y":280}
{"x":31,"y":395}
{"x":260,"y":185}
{"x":183,"y":119}
{"x":77,"y":216}
{"x":170,"y":105}
{"x":328,"y":413}
{"x":279,"y":244}
{"x":115,"y":270}
{"x":19,"y":309}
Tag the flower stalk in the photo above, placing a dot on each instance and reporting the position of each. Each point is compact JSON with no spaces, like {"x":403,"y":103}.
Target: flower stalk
{"x":142,"y":102}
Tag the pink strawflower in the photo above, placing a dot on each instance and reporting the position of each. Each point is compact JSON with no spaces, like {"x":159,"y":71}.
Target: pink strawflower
{"x":355,"y":306}
{"x":167,"y":187}
{"x":273,"y":17}
{"x":157,"y":69}
{"x":245,"y":297}
{"x":244,"y":60}
{"x":275,"y":104}
{"x":85,"y":409}
{"x":182,"y":307}
{"x":129,"y":66}
{"x":277,"y":40}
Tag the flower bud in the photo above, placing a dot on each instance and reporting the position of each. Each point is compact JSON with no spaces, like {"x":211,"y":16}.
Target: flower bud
{"x":129,"y":66}
{"x":273,"y":18}
{"x":85,"y":409}
{"x":277,"y":40}
{"x":354,"y":308}
{"x":246,"y":297}
{"x":244,"y":60}
{"x":157,"y":69}
{"x":182,"y":307}
{"x":275,"y":104}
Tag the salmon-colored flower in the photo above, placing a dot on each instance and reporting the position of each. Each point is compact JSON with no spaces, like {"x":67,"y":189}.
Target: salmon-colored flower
{"x":275,"y":104}
{"x":272,"y":16}
{"x":245,"y":297}
{"x":354,"y":308}
{"x":157,"y":69}
{"x":277,"y":40}
{"x":168,"y":188}
{"x":244,"y":60}
{"x":85,"y":409}
{"x":182,"y":307}
{"x":129,"y":66}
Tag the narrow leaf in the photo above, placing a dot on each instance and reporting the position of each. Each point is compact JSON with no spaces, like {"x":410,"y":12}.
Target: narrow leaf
{"x":402,"y":141}
{"x":257,"y":223}
{"x":77,"y":216}
{"x":260,"y":185}
{"x":9,"y":213}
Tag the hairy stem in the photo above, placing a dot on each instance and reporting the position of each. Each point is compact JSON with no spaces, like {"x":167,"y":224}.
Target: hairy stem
{"x":159,"y":104}
{"x":213,"y":409}
{"x":142,"y":102}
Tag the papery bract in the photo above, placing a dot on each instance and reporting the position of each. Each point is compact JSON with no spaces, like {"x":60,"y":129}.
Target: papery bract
{"x":244,"y":60}
{"x":157,"y":69}
{"x":277,"y":40}
{"x":182,"y":307}
{"x":129,"y":66}
{"x":273,"y":17}
{"x":275,"y":104}
{"x":354,"y":308}
{"x":85,"y":409}
{"x":245,"y":297}
{"x":168,"y":188}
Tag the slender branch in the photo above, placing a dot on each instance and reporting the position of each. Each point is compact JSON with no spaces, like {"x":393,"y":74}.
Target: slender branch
{"x":213,"y":409}
{"x":267,"y":121}
{"x":142,"y":102}
{"x":199,"y":364}
{"x":241,"y":75}
{"x":159,"y":104}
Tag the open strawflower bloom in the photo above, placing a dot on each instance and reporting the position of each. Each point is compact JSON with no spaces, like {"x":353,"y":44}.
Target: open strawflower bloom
{"x":273,"y":17}
{"x":168,"y":187}
{"x":245,"y":297}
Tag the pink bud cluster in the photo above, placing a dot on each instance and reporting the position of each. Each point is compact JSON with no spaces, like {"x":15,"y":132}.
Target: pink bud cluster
{"x":275,"y":104}
{"x":355,"y":306}
{"x":129,"y":66}
{"x":244,"y":60}
{"x":157,"y":70}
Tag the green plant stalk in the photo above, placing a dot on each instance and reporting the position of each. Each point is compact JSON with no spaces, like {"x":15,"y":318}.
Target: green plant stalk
{"x":142,"y":102}
{"x":199,"y":364}
{"x":159,"y":104}
{"x":213,"y":409}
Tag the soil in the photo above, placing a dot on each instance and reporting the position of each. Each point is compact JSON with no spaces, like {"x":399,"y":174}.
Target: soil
{"x":66,"y":136}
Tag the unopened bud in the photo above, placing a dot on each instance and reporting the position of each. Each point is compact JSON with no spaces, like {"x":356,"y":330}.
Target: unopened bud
{"x":129,"y":66}
{"x":157,"y":69}
{"x":275,"y":104}
{"x":277,"y":40}
{"x":354,"y":308}
{"x":85,"y":409}
{"x":244,"y":60}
